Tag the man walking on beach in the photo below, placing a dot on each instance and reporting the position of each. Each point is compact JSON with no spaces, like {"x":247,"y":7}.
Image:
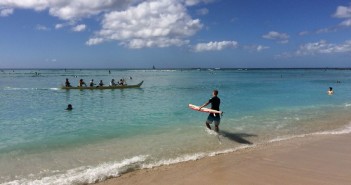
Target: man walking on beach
{"x":215,"y":102}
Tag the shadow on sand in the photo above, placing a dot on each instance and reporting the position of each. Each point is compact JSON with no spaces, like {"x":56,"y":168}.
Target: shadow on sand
{"x":238,"y":137}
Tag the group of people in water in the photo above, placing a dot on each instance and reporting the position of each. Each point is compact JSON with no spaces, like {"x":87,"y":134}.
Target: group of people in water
{"x":81,"y":83}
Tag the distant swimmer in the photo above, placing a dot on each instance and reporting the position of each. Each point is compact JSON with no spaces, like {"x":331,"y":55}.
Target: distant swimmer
{"x":330,"y":91}
{"x":215,"y":102}
{"x":67,"y":84}
{"x":69,"y":107}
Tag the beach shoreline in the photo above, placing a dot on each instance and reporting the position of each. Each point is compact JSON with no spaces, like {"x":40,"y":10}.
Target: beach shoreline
{"x":312,"y":159}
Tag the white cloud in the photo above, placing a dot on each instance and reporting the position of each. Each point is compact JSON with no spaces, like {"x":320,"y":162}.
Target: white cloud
{"x":26,"y":4}
{"x":282,"y":38}
{"x":323,"y":47}
{"x":6,"y":12}
{"x":68,"y":9}
{"x":59,"y":26}
{"x":133,"y":23}
{"x":215,"y":46}
{"x":304,"y":33}
{"x":346,"y":23}
{"x":202,"y":11}
{"x":327,"y":30}
{"x":195,"y":2}
{"x":343,"y":12}
{"x":260,"y":47}
{"x":94,"y":41}
{"x":51,"y":60}
{"x":42,"y":28}
{"x":317,"y":48}
{"x":159,"y":23}
{"x":79,"y":28}
{"x":255,"y":47}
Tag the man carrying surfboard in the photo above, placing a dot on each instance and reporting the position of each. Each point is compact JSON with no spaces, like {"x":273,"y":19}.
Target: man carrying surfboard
{"x":213,"y":117}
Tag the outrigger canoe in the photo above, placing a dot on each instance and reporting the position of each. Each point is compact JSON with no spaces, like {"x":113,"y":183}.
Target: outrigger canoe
{"x":105,"y":87}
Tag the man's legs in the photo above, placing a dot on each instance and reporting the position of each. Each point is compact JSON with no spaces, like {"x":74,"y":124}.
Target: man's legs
{"x":217,"y":124}
{"x":208,"y":122}
{"x":208,"y":125}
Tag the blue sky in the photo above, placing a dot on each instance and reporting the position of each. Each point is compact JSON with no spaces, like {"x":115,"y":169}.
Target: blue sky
{"x":174,"y":33}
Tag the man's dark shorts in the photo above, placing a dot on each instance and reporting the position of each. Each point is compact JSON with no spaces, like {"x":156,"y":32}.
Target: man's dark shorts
{"x":216,"y":119}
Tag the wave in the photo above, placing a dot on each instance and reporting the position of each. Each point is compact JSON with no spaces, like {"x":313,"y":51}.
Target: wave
{"x":94,"y":174}
{"x":87,"y":175}
{"x":28,"y":89}
{"x":193,"y":157}
{"x":344,"y":130}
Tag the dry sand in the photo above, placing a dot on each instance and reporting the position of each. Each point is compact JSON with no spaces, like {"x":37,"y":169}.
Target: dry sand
{"x":312,"y":160}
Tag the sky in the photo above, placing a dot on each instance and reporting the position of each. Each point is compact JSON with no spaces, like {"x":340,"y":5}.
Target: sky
{"x":175,"y":33}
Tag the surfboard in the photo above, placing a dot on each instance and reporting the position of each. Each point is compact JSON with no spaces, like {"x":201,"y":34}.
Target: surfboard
{"x":207,"y":110}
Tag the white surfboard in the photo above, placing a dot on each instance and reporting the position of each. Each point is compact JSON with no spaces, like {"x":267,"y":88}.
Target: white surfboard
{"x":207,"y":110}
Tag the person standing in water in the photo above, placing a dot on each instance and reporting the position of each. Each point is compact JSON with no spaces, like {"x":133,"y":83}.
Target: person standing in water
{"x":215,"y":101}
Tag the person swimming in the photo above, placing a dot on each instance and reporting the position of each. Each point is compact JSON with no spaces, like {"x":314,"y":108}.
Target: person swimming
{"x":330,"y":91}
{"x":69,"y":107}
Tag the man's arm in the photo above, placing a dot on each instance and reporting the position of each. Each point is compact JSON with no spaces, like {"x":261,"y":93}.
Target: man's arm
{"x":204,"y":105}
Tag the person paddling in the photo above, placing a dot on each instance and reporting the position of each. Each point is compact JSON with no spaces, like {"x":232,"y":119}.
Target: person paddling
{"x":67,"y":83}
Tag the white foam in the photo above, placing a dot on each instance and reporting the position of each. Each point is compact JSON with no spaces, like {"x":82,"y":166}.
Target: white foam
{"x":55,"y":89}
{"x":344,"y":130}
{"x":15,"y":88}
{"x":193,"y":157}
{"x":86,"y":175}
{"x":347,"y":104}
{"x":211,"y":132}
{"x":26,"y":88}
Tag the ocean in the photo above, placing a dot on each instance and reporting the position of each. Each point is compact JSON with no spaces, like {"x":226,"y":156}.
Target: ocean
{"x":111,"y":132}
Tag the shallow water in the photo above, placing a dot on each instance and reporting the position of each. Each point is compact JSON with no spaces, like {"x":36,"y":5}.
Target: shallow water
{"x":110,"y":132}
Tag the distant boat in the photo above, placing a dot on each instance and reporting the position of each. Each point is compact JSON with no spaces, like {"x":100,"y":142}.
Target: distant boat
{"x":105,"y":87}
{"x":153,"y":67}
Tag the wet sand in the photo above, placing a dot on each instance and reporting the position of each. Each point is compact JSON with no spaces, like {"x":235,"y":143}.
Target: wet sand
{"x":312,"y":160}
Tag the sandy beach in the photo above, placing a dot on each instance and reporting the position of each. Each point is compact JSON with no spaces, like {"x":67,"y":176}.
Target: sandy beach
{"x":310,"y":160}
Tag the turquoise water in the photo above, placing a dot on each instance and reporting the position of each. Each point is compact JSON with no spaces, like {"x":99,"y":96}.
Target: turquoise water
{"x":110,"y":132}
